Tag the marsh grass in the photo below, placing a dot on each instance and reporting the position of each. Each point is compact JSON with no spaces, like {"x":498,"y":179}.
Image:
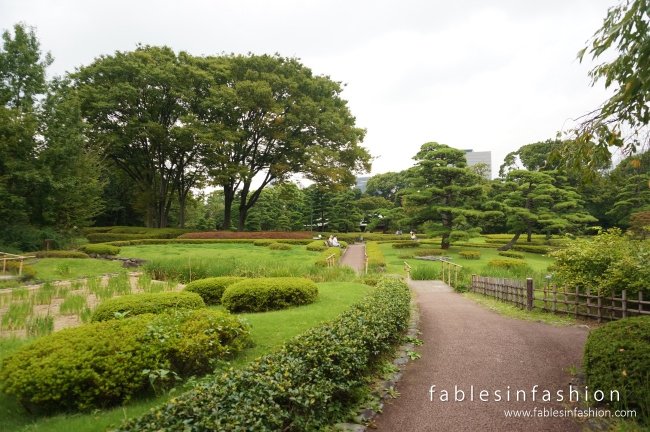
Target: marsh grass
{"x":93,"y":284}
{"x":120,"y":285}
{"x":62,"y":269}
{"x":19,"y":294}
{"x":45,"y":294}
{"x":16,"y":316}
{"x":144,"y":282}
{"x":73,"y":304}
{"x":85,"y":314}
{"x":37,"y":326}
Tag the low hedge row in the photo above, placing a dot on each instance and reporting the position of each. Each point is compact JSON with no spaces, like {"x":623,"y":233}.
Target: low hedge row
{"x":101,"y":364}
{"x":533,"y":249}
{"x":211,"y":289}
{"x":375,"y":255}
{"x":470,"y":255}
{"x":405,"y":255}
{"x":430,"y":252}
{"x":510,"y":236}
{"x":477,"y":245}
{"x":100,"y":249}
{"x":312,"y":382}
{"x":317,"y":246}
{"x":198,"y":241}
{"x":112,"y":236}
{"x":59,"y":254}
{"x":509,"y":254}
{"x":617,"y":357}
{"x":322,"y":259}
{"x":507,"y":263}
{"x":521,"y":241}
{"x":247,"y":235}
{"x":139,"y":304}
{"x":406,"y":245}
{"x":27,"y":273}
{"x":262,"y":242}
{"x":265,"y":294}
{"x":280,"y":246}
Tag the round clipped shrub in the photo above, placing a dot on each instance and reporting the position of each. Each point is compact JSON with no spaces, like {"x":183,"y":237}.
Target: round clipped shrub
{"x":262,"y":242}
{"x":59,"y":254}
{"x":509,"y":254}
{"x":211,"y":289}
{"x":101,"y":249}
{"x":27,"y":273}
{"x":279,"y":246}
{"x":509,"y":264}
{"x":406,"y":245}
{"x":405,"y":256}
{"x":470,"y":255}
{"x":263,"y":294}
{"x":138,"y":304}
{"x":101,"y":364}
{"x":317,"y":246}
{"x":617,"y":357}
{"x":430,"y":252}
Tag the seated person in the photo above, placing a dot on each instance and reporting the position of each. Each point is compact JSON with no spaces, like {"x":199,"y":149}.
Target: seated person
{"x":335,"y":242}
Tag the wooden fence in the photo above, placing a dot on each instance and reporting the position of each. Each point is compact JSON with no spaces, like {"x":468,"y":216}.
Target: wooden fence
{"x":566,"y":300}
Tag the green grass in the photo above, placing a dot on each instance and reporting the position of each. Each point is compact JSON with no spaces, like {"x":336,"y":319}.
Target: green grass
{"x":270,"y":330}
{"x":47,"y":268}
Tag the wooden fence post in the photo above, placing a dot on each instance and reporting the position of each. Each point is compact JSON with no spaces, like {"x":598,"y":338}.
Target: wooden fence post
{"x":529,"y":294}
{"x":624,"y":303}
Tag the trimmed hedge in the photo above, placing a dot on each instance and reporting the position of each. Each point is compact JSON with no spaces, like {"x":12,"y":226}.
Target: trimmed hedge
{"x":28,"y":273}
{"x":262,"y":242}
{"x":375,"y":255}
{"x":280,"y":246}
{"x":617,"y":357}
{"x":322,"y":259}
{"x":101,"y":249}
{"x":211,"y":289}
{"x":430,"y":252}
{"x":312,"y":382}
{"x":406,"y":245}
{"x":317,"y":246}
{"x":405,"y":256}
{"x":507,"y":263}
{"x":248,"y":235}
{"x":59,"y":254}
{"x":138,"y":304}
{"x":509,"y":254}
{"x":533,"y":249}
{"x":264,"y":294}
{"x":101,"y":364}
{"x":470,"y":255}
{"x":198,"y":241}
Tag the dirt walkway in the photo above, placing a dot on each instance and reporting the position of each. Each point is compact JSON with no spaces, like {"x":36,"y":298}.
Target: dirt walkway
{"x":467,"y":345}
{"x":354,"y":257}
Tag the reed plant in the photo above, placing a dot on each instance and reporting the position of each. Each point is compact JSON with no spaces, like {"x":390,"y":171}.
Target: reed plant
{"x":73,"y":304}
{"x":37,"y":326}
{"x":93,"y":284}
{"x":85,"y":314}
{"x":19,"y":293}
{"x":144,"y":282}
{"x":121,"y":284}
{"x":45,"y":294}
{"x":16,"y":316}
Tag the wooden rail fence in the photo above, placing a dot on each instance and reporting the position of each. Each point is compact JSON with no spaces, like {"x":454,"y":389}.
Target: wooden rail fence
{"x":569,"y":301}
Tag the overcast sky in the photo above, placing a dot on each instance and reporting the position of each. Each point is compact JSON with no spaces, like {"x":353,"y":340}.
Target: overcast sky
{"x":480,"y":74}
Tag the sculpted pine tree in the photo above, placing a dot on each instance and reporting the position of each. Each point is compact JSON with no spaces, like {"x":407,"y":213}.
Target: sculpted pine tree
{"x":443,"y":190}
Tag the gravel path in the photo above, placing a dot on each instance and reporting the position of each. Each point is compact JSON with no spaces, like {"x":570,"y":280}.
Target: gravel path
{"x":355,"y":257}
{"x":467,"y":345}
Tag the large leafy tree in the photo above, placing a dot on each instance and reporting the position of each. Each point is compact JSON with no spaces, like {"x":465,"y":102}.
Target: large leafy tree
{"x":622,"y":120}
{"x":387,"y":185}
{"x":344,"y":215}
{"x":444,"y":190}
{"x":141,"y":106}
{"x":274,"y":118}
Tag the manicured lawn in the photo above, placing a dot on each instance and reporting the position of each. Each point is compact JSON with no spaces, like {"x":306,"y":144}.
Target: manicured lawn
{"x":269,"y":331}
{"x":70,"y":268}
{"x":298,"y":253}
{"x":536,"y":262}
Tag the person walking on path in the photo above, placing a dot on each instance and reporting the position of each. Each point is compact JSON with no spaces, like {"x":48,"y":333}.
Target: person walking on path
{"x":483,"y":362}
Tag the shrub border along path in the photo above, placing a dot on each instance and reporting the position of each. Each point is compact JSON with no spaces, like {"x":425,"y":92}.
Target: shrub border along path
{"x":466,"y":344}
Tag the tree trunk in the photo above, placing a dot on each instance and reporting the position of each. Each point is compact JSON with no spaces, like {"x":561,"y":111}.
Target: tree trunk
{"x":530,"y":232}
{"x":228,"y":199}
{"x":511,"y":242}
{"x":444,"y":244}
{"x":181,"y":205}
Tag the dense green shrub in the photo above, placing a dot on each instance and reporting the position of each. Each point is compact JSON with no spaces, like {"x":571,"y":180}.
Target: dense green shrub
{"x":405,"y":255}
{"x":521,"y":241}
{"x":138,"y":304}
{"x":509,"y":254}
{"x":264,"y":294}
{"x":477,"y":245}
{"x":470,"y":255}
{"x":430,"y":252}
{"x":610,"y":262}
{"x":509,"y":264}
{"x":101,"y":249}
{"x":532,"y":249}
{"x":322,"y":259}
{"x":406,"y":245}
{"x":617,"y":357}
{"x":59,"y":254}
{"x":262,"y":242}
{"x":375,"y":255}
{"x":101,"y":364}
{"x":134,"y":233}
{"x":211,"y":289}
{"x":312,"y":382}
{"x":13,"y":267}
{"x":279,"y":246}
{"x":456,"y":235}
{"x":317,"y":246}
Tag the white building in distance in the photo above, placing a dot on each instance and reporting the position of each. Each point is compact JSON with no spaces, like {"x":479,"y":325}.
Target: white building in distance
{"x":485,"y":157}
